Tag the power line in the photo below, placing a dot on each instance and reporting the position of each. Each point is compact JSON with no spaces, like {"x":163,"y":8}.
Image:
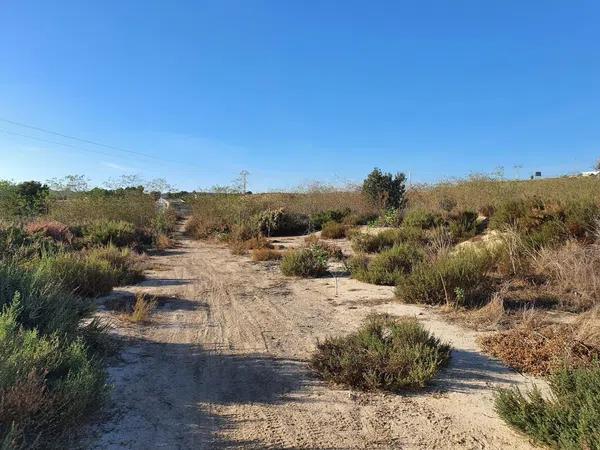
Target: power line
{"x":85,"y":141}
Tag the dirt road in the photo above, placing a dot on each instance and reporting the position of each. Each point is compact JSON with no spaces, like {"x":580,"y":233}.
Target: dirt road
{"x":223,"y":365}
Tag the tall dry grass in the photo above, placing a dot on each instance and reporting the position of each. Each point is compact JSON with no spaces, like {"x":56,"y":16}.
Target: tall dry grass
{"x":479,"y":193}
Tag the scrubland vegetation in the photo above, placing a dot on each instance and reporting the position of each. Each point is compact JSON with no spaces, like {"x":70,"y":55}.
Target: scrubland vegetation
{"x":501,"y":255}
{"x":385,"y":353}
{"x":57,"y":252}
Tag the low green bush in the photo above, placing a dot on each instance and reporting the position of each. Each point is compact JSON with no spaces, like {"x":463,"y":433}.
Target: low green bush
{"x":460,"y":277}
{"x":580,"y":219}
{"x":333,"y":230}
{"x":44,"y":305}
{"x":420,"y":218}
{"x":387,"y":267}
{"x":374,"y":243}
{"x":128,"y":265}
{"x":305,"y":262}
{"x":463,"y":225}
{"x":317,"y":220}
{"x":570,"y":419}
{"x":115,"y":232}
{"x":46,"y":384}
{"x":385,"y":353}
{"x":77,"y":273}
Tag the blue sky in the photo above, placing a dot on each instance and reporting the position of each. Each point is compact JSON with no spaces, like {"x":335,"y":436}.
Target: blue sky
{"x":295,"y":91}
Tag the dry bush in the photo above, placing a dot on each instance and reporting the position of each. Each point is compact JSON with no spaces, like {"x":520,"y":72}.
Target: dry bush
{"x":163,"y":242}
{"x":51,"y":228}
{"x":539,"y":348}
{"x":242,"y":247}
{"x":573,"y":269}
{"x":142,"y":309}
{"x":265,"y":254}
{"x":334,"y":230}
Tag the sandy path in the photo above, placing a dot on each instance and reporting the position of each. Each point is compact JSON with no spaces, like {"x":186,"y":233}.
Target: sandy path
{"x":223,"y":366}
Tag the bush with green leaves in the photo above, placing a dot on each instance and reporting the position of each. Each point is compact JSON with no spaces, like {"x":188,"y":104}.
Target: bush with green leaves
{"x":387,"y":267}
{"x":569,"y":419}
{"x":461,"y":277}
{"x":385,"y":190}
{"x":463,"y":225}
{"x":44,"y":305}
{"x":317,"y":220}
{"x":305,"y":262}
{"x":374,"y":243}
{"x":420,"y":218}
{"x":46,"y":383}
{"x":386,"y":353}
{"x":77,"y":273}
{"x":115,"y":232}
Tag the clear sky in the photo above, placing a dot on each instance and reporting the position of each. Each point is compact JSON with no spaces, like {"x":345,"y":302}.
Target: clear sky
{"x":299,"y":90}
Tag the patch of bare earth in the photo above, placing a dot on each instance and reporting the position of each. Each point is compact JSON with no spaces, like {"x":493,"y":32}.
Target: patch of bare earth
{"x":223,"y":365}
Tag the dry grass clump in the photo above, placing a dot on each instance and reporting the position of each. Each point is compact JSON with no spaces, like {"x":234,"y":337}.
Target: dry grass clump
{"x":334,"y":230}
{"x":163,"y":242}
{"x":481,"y":193}
{"x":242,"y":247}
{"x":142,"y":309}
{"x":386,"y":353}
{"x":266,"y":254}
{"x":573,"y":269}
{"x":539,"y":348}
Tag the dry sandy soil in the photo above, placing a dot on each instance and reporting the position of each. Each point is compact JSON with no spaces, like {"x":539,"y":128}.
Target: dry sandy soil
{"x":223,"y":365}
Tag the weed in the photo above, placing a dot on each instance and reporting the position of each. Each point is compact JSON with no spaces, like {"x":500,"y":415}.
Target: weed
{"x":142,"y":309}
{"x":266,"y":254}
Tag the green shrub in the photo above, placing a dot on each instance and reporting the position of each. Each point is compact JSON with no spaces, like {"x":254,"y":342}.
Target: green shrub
{"x":549,"y":234}
{"x":317,"y":220}
{"x":385,"y":190}
{"x":580,"y":218}
{"x":510,"y":213}
{"x":386,"y":353}
{"x":127,"y":264}
{"x":459,"y":277}
{"x":333,"y":230}
{"x":46,"y":384}
{"x":463,"y":225}
{"x":387,"y":267}
{"x":570,"y":419}
{"x":373,"y":243}
{"x":77,"y":273}
{"x":305,"y":262}
{"x":116,"y":232}
{"x":44,"y":305}
{"x":420,"y":218}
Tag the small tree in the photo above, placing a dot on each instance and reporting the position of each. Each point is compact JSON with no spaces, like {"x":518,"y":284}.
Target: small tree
{"x":385,"y":190}
{"x":33,"y":196}
{"x":597,"y":165}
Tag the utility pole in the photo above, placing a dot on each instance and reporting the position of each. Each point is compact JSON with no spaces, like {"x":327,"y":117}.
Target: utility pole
{"x":244,"y":179}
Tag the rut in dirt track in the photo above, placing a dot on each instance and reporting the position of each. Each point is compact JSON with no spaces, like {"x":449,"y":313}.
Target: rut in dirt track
{"x":224,"y":365}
